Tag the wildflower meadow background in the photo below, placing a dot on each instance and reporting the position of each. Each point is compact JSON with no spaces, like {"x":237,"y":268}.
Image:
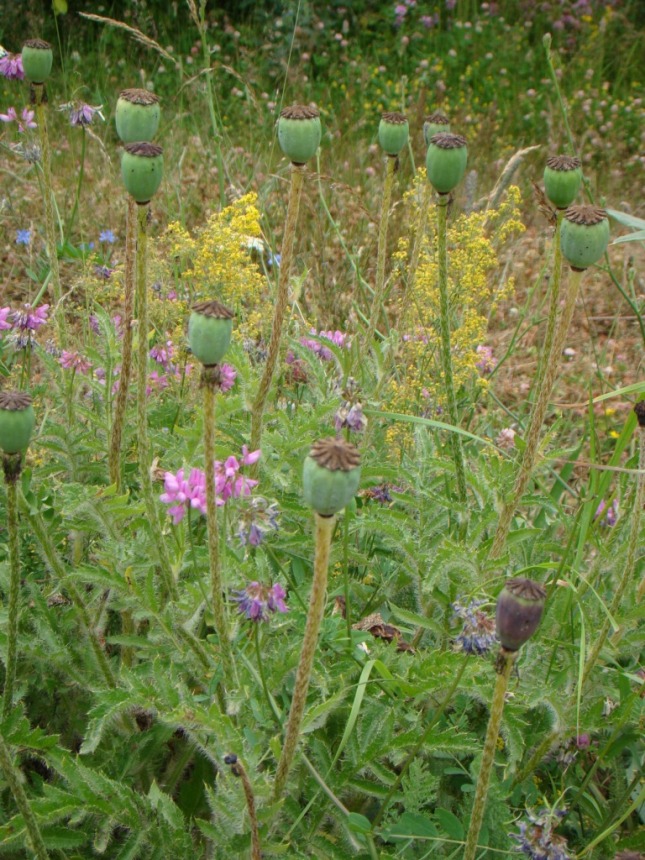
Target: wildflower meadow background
{"x":322,"y":428}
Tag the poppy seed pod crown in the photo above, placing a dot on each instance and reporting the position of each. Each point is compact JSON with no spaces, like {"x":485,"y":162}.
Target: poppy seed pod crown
{"x":436,"y":123}
{"x":562,"y":179}
{"x":331,"y":475}
{"x":299,"y":132}
{"x":584,"y":235}
{"x":37,"y":60}
{"x":209,"y":331}
{"x":446,"y":161}
{"x":393,"y":132}
{"x":17,"y":421}
{"x":137,"y":115}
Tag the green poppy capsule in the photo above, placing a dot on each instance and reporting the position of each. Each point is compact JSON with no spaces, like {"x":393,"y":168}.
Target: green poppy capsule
{"x":584,"y":235}
{"x":142,"y":170}
{"x":209,"y":332}
{"x":331,"y":475}
{"x":37,"y":59}
{"x":562,"y":179}
{"x":137,"y":115}
{"x":299,"y":132}
{"x":436,"y":123}
{"x":446,"y":161}
{"x":519,"y":611}
{"x":17,"y":421}
{"x":393,"y":132}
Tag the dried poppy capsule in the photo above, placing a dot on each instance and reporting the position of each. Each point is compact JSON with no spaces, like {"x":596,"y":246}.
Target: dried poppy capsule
{"x":436,"y":123}
{"x":299,"y":132}
{"x":446,"y":161}
{"x":584,"y":235}
{"x":209,"y":332}
{"x":37,"y":59}
{"x":639,"y":409}
{"x":17,"y":421}
{"x":331,"y":475}
{"x":393,"y":132}
{"x":137,"y":115}
{"x":142,"y":170}
{"x":562,"y":179}
{"x":519,"y":611}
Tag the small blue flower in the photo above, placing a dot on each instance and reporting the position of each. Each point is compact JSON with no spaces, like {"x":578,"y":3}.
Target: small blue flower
{"x":274,"y":259}
{"x":107,"y":236}
{"x":23,"y":237}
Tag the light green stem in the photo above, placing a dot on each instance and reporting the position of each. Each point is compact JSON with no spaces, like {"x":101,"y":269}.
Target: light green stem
{"x":446,"y":353}
{"x":257,"y":414}
{"x":507,"y":659}
{"x":324,"y":532}
{"x":217,"y":599}
{"x":419,"y":235}
{"x":536,"y":418}
{"x":554,"y":301}
{"x":11,"y":481}
{"x":22,"y":801}
{"x":50,"y":232}
{"x":126,"y":360}
{"x":628,"y":567}
{"x":379,"y":288}
{"x":57,"y":566}
{"x":142,"y":418}
{"x":239,"y":770}
{"x":79,"y":184}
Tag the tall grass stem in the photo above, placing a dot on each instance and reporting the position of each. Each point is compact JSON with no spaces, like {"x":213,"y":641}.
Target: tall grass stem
{"x":554,"y":302}
{"x":257,"y":414}
{"x":379,"y":288}
{"x":142,"y":417}
{"x":14,"y":781}
{"x":446,"y":352}
{"x":536,"y":418}
{"x":11,"y":481}
{"x":324,"y":531}
{"x":507,"y":660}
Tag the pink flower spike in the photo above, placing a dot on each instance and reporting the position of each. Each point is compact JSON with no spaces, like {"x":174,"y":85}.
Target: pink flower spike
{"x":4,"y":313}
{"x":249,"y":459}
{"x":9,"y":116}
{"x":11,"y":67}
{"x":28,"y":118}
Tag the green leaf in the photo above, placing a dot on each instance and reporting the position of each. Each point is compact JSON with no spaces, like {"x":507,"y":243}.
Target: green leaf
{"x":359,"y":823}
{"x":639,"y":236}
{"x":409,"y":826}
{"x":627,"y":220}
{"x":449,"y":824}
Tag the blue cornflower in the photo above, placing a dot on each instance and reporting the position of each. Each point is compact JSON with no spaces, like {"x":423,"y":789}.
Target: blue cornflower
{"x":107,"y":236}
{"x":478,"y":632}
{"x":23,"y":237}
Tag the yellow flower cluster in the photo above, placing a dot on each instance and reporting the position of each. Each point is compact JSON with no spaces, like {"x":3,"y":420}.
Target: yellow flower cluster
{"x":474,"y":243}
{"x":218,"y":261}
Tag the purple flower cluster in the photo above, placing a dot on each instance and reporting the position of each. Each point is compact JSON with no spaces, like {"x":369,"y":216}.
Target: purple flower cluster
{"x":11,"y":67}
{"x":256,"y":519}
{"x":338,"y":338}
{"x":607,"y":516}
{"x":257,"y":602}
{"x":350,"y":416}
{"x":536,"y":838}
{"x":23,"y":322}
{"x":487,"y":362}
{"x":82,"y":114}
{"x":72,"y":360}
{"x":187,"y":489}
{"x":478,"y":632}
{"x":26,"y":118}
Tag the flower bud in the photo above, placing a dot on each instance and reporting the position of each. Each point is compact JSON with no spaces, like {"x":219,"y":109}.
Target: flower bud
{"x":393,"y":132}
{"x":37,"y":59}
{"x":331,"y":474}
{"x":299,"y":132}
{"x":584,"y":235}
{"x":17,"y":421}
{"x":519,"y":611}
{"x":137,"y":115}
{"x":562,"y":179}
{"x":209,"y":331}
{"x":436,"y":123}
{"x":142,"y":170}
{"x":446,"y":161}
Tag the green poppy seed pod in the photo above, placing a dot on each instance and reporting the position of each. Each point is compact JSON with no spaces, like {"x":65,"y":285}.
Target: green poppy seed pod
{"x":142,"y":170}
{"x":562,"y":179}
{"x":519,"y":611}
{"x":436,"y":123}
{"x":446,"y":161}
{"x":209,"y":332}
{"x":137,"y":115}
{"x":37,"y":59}
{"x":584,"y":235}
{"x":17,"y":421}
{"x":393,"y":132}
{"x":299,"y":132}
{"x":331,"y":474}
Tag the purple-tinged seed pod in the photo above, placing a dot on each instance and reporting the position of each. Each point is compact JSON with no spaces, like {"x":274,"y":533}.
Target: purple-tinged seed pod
{"x":519,"y":611}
